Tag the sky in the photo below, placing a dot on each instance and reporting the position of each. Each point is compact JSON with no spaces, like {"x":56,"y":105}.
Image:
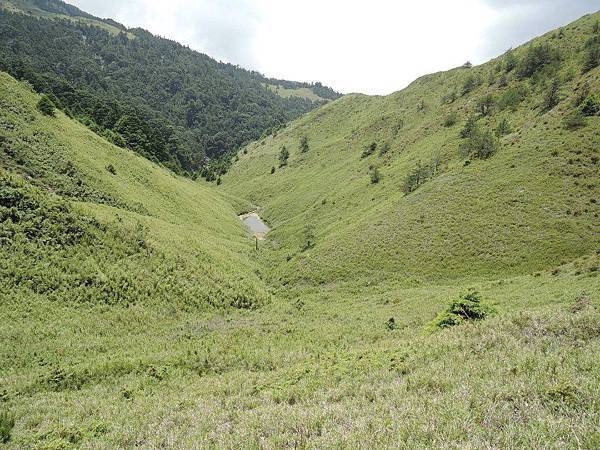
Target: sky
{"x":372,"y":47}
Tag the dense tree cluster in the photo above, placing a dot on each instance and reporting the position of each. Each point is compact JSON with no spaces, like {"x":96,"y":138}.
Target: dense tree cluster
{"x":159,"y":98}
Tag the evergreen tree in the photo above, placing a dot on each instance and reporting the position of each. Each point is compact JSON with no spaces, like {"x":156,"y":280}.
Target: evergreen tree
{"x":46,"y":106}
{"x":304,"y":146}
{"x":284,"y":155}
{"x":552,"y":97}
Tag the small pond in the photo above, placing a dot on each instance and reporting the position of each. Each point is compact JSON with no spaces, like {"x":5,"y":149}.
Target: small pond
{"x":255,"y":224}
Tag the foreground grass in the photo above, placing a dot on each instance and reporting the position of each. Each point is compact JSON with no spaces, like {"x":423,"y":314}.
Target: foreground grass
{"x":322,"y":370}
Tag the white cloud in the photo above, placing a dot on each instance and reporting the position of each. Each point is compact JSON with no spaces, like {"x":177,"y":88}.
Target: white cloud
{"x":374,"y":47}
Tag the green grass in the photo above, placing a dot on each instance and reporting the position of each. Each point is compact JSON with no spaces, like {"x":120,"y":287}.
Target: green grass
{"x":304,"y":92}
{"x":530,"y":206}
{"x":136,"y":312}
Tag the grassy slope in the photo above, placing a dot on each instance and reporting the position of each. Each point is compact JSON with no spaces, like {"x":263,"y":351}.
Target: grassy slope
{"x":526,"y":209}
{"x":318,"y":367}
{"x":183,"y":221}
{"x":300,"y":92}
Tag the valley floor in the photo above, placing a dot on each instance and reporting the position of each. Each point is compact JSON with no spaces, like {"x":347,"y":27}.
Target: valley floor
{"x":313,"y":369}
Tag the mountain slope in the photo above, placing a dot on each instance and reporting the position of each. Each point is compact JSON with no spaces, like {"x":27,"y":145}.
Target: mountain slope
{"x":137,"y":312}
{"x":342,"y":210}
{"x":143,"y":92}
{"x":188,"y":245}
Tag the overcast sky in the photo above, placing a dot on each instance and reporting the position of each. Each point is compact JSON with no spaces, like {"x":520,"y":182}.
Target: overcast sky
{"x":374,"y":46}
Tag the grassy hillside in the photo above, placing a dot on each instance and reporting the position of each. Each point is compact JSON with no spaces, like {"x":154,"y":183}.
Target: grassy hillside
{"x":187,"y":234}
{"x":137,"y":313}
{"x":527,"y":208}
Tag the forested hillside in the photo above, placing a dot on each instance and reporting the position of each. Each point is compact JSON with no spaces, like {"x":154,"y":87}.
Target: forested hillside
{"x":154,"y":96}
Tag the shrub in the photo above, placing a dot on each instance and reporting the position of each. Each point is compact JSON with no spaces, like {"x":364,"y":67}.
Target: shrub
{"x":590,"y":106}
{"x":304,"y":146}
{"x":450,"y":97}
{"x":7,"y":423}
{"x":420,"y":174}
{"x":486,"y":104}
{"x":375,"y":176}
{"x":538,"y":57}
{"x":284,"y":155}
{"x":111,"y":169}
{"x":512,"y":97}
{"x":451,"y":119}
{"x":384,"y":149}
{"x":466,"y":308}
{"x":552,"y":97}
{"x":510,"y":61}
{"x":480,"y":144}
{"x":46,"y":106}
{"x":309,"y":238}
{"x":503,"y":128}
{"x":470,"y":83}
{"x":469,"y":127}
{"x":391,"y":324}
{"x":369,"y":150}
{"x":592,"y":55}
{"x":272,"y":170}
{"x":575,"y":120}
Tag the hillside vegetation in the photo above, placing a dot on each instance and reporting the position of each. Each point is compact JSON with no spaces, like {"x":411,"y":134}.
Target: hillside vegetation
{"x":398,"y":188}
{"x":154,"y":96}
{"x":431,"y":280}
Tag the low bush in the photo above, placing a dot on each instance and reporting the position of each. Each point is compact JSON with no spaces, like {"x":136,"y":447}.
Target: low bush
{"x":590,"y":105}
{"x":369,"y":150}
{"x":451,"y":119}
{"x":46,"y":106}
{"x":467,"y":308}
{"x":575,"y":120}
{"x":375,"y":175}
{"x":7,"y":423}
{"x":480,"y":144}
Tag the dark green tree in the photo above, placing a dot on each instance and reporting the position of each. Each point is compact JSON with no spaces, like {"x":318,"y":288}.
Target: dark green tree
{"x":284,"y":155}
{"x":486,"y":104}
{"x":552,"y":97}
{"x":304,"y":146}
{"x":46,"y":106}
{"x":503,"y":127}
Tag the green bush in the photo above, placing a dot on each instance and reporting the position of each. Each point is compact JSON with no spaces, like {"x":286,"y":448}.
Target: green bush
{"x":369,"y":150}
{"x":304,"y":146}
{"x":284,"y":155}
{"x":575,"y":120}
{"x":480,"y":144}
{"x":552,"y":97}
{"x":467,"y":308}
{"x":591,"y":105}
{"x":451,"y":119}
{"x":592,"y":56}
{"x":7,"y":423}
{"x":384,"y":149}
{"x":486,"y":104}
{"x":512,"y":97}
{"x":46,"y":106}
{"x":538,"y":58}
{"x":503,"y":128}
{"x":470,"y":83}
{"x":375,"y":175}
